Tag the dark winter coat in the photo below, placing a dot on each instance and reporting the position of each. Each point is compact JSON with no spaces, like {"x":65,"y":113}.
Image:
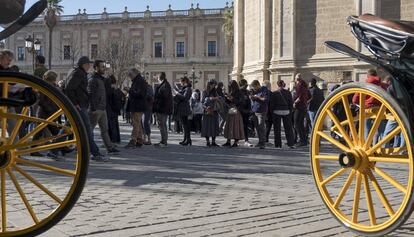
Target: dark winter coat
{"x":163,"y":99}
{"x":46,"y":106}
{"x":115,"y":102}
{"x":246,"y":103}
{"x":137,"y":95}
{"x":76,"y":88}
{"x":281,"y":100}
{"x":97,"y":92}
{"x":183,"y":101}
{"x":316,"y":100}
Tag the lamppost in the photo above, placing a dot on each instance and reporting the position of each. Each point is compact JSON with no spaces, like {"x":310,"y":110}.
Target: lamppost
{"x":193,"y":76}
{"x":33,"y":46}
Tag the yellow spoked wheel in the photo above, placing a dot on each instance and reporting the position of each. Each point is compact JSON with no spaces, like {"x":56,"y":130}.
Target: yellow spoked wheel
{"x":38,"y":191}
{"x":363,"y":162}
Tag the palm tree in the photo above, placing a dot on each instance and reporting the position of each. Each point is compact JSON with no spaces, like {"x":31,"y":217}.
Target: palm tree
{"x":54,"y":9}
{"x":228,"y":26}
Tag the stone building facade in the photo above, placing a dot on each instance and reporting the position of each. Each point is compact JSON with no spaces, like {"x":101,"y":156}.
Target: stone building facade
{"x":275,"y":39}
{"x":172,"y":41}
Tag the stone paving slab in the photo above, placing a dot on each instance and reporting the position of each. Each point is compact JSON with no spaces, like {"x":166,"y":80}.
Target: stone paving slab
{"x":198,"y":191}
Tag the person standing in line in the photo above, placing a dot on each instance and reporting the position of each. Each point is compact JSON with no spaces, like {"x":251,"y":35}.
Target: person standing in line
{"x":114,"y":110}
{"x":98,"y":104}
{"x":146,"y":122}
{"x":76,"y":89}
{"x":281,"y":107}
{"x":260,"y":105}
{"x":300,"y":104}
{"x":269,"y":122}
{"x":182,"y":98}
{"x":163,"y":107}
{"x":198,"y":110}
{"x":136,"y":106}
{"x":245,"y":110}
{"x":315,"y":101}
{"x":210,"y":122}
{"x":234,"y":128}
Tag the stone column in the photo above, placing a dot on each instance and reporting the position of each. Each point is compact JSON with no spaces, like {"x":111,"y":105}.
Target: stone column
{"x":238,"y":39}
{"x":265,"y":54}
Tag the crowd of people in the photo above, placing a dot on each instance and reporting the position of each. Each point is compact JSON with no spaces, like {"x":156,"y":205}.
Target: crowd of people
{"x":238,"y":113}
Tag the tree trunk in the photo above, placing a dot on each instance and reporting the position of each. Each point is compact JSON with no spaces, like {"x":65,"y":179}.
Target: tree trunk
{"x":50,"y":47}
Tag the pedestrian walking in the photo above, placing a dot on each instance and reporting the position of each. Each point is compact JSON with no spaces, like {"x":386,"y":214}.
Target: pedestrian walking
{"x":182,"y":98}
{"x":146,"y":122}
{"x":163,"y":106}
{"x":136,"y":106}
{"x":114,"y":110}
{"x":98,"y":104}
{"x":76,"y":89}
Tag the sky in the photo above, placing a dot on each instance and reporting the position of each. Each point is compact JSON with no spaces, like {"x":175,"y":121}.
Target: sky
{"x":97,"y":6}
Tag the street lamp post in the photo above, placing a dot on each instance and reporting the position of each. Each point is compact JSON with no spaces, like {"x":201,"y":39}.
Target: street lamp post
{"x":33,"y":46}
{"x":194,"y":77}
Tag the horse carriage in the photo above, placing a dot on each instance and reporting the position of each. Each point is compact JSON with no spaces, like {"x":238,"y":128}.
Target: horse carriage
{"x":36,"y":193}
{"x":365,"y":173}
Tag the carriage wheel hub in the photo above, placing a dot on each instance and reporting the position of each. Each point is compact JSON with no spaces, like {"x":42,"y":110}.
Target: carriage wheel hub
{"x":356,"y":159}
{"x":5,"y":159}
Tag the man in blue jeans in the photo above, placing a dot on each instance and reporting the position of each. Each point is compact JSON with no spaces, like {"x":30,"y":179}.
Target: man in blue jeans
{"x":260,"y":101}
{"x":76,"y":90}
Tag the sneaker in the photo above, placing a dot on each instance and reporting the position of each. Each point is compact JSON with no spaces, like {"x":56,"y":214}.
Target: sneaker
{"x":100,"y":158}
{"x":113,"y":150}
{"x":161,"y":145}
{"x":260,"y":145}
{"x":131,"y":144}
{"x":248,"y":144}
{"x":235,"y":145}
{"x":227,"y":144}
{"x":55,"y":157}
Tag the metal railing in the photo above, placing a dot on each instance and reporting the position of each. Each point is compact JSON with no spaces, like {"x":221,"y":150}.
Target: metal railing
{"x":135,"y":15}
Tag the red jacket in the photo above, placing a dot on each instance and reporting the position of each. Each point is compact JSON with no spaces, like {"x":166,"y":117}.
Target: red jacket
{"x":370,"y":101}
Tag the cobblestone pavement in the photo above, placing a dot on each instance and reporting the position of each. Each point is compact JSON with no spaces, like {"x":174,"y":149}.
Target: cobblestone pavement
{"x":197,"y":191}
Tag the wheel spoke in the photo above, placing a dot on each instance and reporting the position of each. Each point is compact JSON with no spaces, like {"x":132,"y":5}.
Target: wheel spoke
{"x":361,"y":131}
{"x":392,"y":134}
{"x":41,"y":126}
{"x":327,"y":157}
{"x":381,"y":194}
{"x":344,"y":189}
{"x":33,"y":143}
{"x":16,"y":129}
{"x":5,"y":94}
{"x":3,"y":201}
{"x":341,"y":129}
{"x":333,"y":141}
{"x":403,"y":159}
{"x":370,"y":204}
{"x":46,"y":147}
{"x":35,"y":120}
{"x":392,"y":150}
{"x":38,"y":184}
{"x":333,"y":176}
{"x":23,"y":196}
{"x":375,"y":126}
{"x":66,"y":172}
{"x":350,"y":118}
{"x":390,"y":180}
{"x":355,"y":208}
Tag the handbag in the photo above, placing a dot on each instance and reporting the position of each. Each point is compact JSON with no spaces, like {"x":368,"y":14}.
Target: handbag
{"x":233,"y":111}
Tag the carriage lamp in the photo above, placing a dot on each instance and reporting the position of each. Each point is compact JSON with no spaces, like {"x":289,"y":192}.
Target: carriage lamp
{"x":37,"y":45}
{"x":33,"y":46}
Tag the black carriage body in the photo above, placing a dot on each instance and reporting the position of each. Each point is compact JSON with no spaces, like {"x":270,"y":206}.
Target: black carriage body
{"x":394,"y":53}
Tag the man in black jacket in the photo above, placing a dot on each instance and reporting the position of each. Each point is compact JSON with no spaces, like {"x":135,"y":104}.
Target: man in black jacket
{"x":77,"y":92}
{"x":98,"y":104}
{"x":315,"y":101}
{"x":163,"y":106}
{"x":136,"y":106}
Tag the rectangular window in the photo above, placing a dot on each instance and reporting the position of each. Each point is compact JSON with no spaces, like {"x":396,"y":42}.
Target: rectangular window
{"x":94,"y":51}
{"x":20,"y":53}
{"x":158,"y":49}
{"x":212,"y":48}
{"x":66,"y":52}
{"x":180,"y":50}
